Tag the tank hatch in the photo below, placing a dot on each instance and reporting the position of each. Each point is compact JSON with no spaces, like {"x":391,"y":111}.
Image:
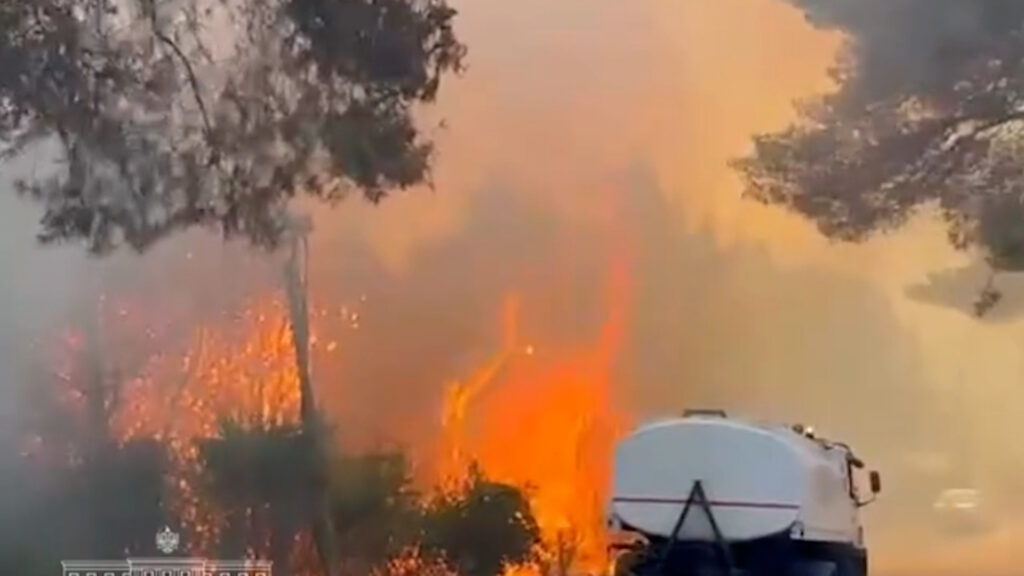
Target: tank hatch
{"x":705,"y":412}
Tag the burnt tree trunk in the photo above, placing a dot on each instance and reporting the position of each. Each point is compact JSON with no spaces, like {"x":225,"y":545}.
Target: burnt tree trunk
{"x":296,"y":283}
{"x":97,"y":443}
{"x":282,"y":538}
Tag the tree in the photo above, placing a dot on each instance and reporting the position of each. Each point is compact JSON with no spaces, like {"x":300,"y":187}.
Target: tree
{"x":169,"y":115}
{"x":928,"y":112}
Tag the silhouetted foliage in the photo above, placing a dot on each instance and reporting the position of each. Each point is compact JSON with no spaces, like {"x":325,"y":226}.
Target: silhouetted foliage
{"x":105,"y":506}
{"x":260,"y":465}
{"x":266,"y":479}
{"x":476,"y":532}
{"x":377,"y":513}
{"x":928,"y":112}
{"x":121,"y":489}
{"x":186,"y":113}
{"x":482,"y":530}
{"x":76,"y":492}
{"x":375,"y":509}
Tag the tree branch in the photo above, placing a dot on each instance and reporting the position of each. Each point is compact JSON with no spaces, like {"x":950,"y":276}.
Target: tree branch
{"x":193,"y":79}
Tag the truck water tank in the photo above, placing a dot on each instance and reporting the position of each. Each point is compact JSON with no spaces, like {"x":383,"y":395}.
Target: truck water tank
{"x":759,"y":481}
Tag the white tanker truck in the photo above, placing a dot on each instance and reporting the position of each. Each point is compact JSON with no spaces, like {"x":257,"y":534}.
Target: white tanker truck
{"x":706,"y":494}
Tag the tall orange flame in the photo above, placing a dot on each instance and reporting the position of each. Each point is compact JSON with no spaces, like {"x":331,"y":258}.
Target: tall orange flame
{"x":547,"y":424}
{"x":454,"y":458}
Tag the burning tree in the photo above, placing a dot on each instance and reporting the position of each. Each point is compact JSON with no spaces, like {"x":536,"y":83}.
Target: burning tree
{"x":169,"y":115}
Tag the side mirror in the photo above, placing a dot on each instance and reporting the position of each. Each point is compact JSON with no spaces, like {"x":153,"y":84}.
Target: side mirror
{"x":876,"y":482}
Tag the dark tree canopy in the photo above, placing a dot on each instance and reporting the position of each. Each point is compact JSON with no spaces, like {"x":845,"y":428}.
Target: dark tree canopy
{"x":477,"y":532}
{"x":375,"y":509}
{"x":928,"y":112}
{"x":178,"y":113}
{"x":483,"y":530}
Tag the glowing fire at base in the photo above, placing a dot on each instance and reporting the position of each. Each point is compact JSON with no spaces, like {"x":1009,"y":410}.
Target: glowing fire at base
{"x":244,"y":371}
{"x":546,"y":425}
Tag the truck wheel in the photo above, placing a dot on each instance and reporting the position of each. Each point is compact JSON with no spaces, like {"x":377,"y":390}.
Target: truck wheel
{"x":853,"y":565}
{"x":814,"y":568}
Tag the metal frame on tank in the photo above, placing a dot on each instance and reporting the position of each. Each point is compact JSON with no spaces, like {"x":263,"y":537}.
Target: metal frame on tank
{"x":699,"y":498}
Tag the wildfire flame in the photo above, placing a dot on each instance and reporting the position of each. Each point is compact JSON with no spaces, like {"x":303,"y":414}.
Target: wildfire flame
{"x":243,"y":370}
{"x":540,"y":419}
{"x":546,"y":424}
{"x":454,"y":459}
{"x":247,"y":374}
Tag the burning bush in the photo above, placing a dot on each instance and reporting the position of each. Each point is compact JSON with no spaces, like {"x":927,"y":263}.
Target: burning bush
{"x":481,"y":530}
{"x":265,"y":481}
{"x":375,"y":509}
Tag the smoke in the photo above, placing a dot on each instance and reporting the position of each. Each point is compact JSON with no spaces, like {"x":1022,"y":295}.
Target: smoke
{"x":37,"y":290}
{"x":582,"y":125}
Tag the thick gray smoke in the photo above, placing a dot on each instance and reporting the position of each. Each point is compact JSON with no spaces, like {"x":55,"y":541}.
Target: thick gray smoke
{"x":36,"y":289}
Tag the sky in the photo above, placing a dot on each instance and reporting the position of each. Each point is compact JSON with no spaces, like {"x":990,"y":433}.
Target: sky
{"x":581,"y":126}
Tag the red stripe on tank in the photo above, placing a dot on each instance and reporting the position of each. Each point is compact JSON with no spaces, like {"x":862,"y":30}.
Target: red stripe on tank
{"x":719,"y":503}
